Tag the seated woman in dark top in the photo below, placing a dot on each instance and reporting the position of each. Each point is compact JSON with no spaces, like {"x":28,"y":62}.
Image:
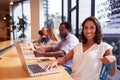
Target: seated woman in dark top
{"x":44,"y":39}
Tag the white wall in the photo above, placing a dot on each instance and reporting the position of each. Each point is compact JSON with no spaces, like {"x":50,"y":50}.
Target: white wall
{"x":35,"y":24}
{"x":41,"y":17}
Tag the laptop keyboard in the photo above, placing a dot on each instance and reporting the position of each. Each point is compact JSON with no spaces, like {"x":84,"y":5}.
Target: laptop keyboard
{"x":35,"y":68}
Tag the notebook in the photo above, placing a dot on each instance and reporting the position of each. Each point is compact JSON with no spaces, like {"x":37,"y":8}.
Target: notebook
{"x":34,"y":69}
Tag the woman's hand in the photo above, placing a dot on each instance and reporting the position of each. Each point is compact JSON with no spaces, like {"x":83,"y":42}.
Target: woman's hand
{"x":108,"y":59}
{"x":51,"y":65}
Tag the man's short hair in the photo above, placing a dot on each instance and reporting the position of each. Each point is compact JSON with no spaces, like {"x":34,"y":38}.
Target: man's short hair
{"x":67,"y":25}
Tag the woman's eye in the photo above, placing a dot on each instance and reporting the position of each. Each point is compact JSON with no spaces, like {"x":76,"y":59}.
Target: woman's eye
{"x":92,"y":27}
{"x":85,"y":28}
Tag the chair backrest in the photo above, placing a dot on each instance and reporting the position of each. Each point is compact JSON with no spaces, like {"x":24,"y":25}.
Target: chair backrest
{"x":105,"y":70}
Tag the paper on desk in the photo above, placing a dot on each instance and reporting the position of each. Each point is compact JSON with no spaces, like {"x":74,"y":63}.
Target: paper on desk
{"x":29,"y":56}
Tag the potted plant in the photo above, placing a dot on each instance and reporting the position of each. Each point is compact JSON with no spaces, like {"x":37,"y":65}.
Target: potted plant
{"x":11,"y":22}
{"x":22,"y":26}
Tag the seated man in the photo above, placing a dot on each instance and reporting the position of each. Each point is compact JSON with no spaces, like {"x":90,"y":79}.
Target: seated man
{"x":63,"y":47}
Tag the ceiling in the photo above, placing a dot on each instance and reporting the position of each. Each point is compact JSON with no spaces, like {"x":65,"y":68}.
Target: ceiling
{"x":4,"y":4}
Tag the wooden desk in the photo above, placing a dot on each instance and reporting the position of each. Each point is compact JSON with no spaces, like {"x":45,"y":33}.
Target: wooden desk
{"x":5,"y":44}
{"x":11,"y":69}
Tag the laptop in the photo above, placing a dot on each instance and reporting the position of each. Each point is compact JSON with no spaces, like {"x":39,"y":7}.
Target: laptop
{"x":34,"y":69}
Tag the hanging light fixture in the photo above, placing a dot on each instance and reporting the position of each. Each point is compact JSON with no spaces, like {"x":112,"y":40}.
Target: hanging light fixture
{"x":11,"y":2}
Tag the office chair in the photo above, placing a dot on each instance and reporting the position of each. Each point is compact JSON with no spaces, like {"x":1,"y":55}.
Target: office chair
{"x":105,"y":70}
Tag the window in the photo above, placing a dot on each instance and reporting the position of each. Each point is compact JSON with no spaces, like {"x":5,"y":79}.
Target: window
{"x":52,"y":13}
{"x":18,"y":11}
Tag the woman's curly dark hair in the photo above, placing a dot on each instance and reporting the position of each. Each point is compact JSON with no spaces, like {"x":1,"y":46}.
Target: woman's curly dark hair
{"x":98,"y":33}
